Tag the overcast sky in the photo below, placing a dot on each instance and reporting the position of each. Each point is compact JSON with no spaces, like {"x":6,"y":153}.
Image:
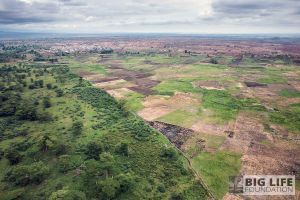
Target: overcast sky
{"x":178,"y":16}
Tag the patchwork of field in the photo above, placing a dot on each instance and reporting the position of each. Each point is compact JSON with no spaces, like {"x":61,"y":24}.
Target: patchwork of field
{"x":241,"y":118}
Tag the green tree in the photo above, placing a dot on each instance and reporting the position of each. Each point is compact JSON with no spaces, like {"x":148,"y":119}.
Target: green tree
{"x":126,"y":181}
{"x":77,"y":127}
{"x":109,"y":188}
{"x":49,"y":86}
{"x":107,"y":163}
{"x":13,"y":156}
{"x":59,"y":92}
{"x":213,"y":61}
{"x":45,"y":143}
{"x":27,"y":111}
{"x":169,"y":153}
{"x":46,"y":102}
{"x":27,"y":174}
{"x":64,"y":163}
{"x":93,"y":150}
{"x":123,"y":149}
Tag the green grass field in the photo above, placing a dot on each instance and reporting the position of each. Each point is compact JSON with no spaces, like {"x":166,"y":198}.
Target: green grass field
{"x":180,"y":118}
{"x":215,"y":168}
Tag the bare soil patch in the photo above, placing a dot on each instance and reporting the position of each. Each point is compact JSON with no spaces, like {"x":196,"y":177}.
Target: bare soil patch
{"x":141,"y":90}
{"x":144,"y":85}
{"x":158,"y":106}
{"x":288,"y":101}
{"x":245,"y":132}
{"x":211,"y":128}
{"x":278,"y":158}
{"x":209,"y":85}
{"x":262,"y":153}
{"x":262,"y":93}
{"x":85,"y":73}
{"x":114,"y":84}
{"x":101,"y":80}
{"x":90,"y":76}
{"x":295,"y":84}
{"x":119,"y":93}
{"x":151,"y":113}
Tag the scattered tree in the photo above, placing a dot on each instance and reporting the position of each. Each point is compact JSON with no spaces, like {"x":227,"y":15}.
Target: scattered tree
{"x":77,"y":127}
{"x":13,"y":156}
{"x":93,"y":150}
{"x":59,"y":92}
{"x":46,"y":102}
{"x":49,"y":86}
{"x":123,"y":149}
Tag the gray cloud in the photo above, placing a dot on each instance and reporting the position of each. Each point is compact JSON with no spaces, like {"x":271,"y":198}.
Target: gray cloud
{"x":151,"y":15}
{"x":19,"y":12}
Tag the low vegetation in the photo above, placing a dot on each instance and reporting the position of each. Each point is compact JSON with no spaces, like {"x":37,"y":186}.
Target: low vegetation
{"x":216,"y":168}
{"x":61,"y":138}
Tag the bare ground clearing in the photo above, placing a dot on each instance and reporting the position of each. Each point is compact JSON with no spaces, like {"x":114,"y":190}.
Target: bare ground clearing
{"x":209,"y":85}
{"x":158,"y":106}
{"x":119,"y":93}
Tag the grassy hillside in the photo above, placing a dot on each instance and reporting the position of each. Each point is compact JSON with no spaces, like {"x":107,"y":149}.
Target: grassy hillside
{"x":61,"y":138}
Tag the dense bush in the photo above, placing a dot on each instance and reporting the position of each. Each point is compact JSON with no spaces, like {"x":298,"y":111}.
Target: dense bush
{"x":46,"y":102}
{"x":67,"y":162}
{"x":27,"y":111}
{"x":169,"y":153}
{"x":123,"y":149}
{"x":77,"y":127}
{"x":59,"y":92}
{"x":93,"y":150}
{"x":49,"y":86}
{"x":13,"y":156}
{"x":27,"y":174}
{"x":109,"y":188}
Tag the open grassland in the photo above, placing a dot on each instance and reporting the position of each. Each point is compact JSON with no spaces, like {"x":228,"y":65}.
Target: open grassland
{"x":216,"y":168}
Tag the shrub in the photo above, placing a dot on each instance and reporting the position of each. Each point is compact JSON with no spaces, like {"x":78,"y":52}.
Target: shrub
{"x":177,"y":196}
{"x":1,"y":154}
{"x":45,"y":117}
{"x":109,"y":188}
{"x":161,"y":188}
{"x":46,"y":102}
{"x":27,"y":174}
{"x":123,"y":149}
{"x":27,"y":111}
{"x":49,"y":86}
{"x":65,"y":163}
{"x":93,"y":149}
{"x":170,"y":154}
{"x":77,"y":128}
{"x":13,"y":156}
{"x":213,"y":61}
{"x":60,"y":149}
{"x":126,"y":181}
{"x":31,"y":86}
{"x":59,"y":92}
